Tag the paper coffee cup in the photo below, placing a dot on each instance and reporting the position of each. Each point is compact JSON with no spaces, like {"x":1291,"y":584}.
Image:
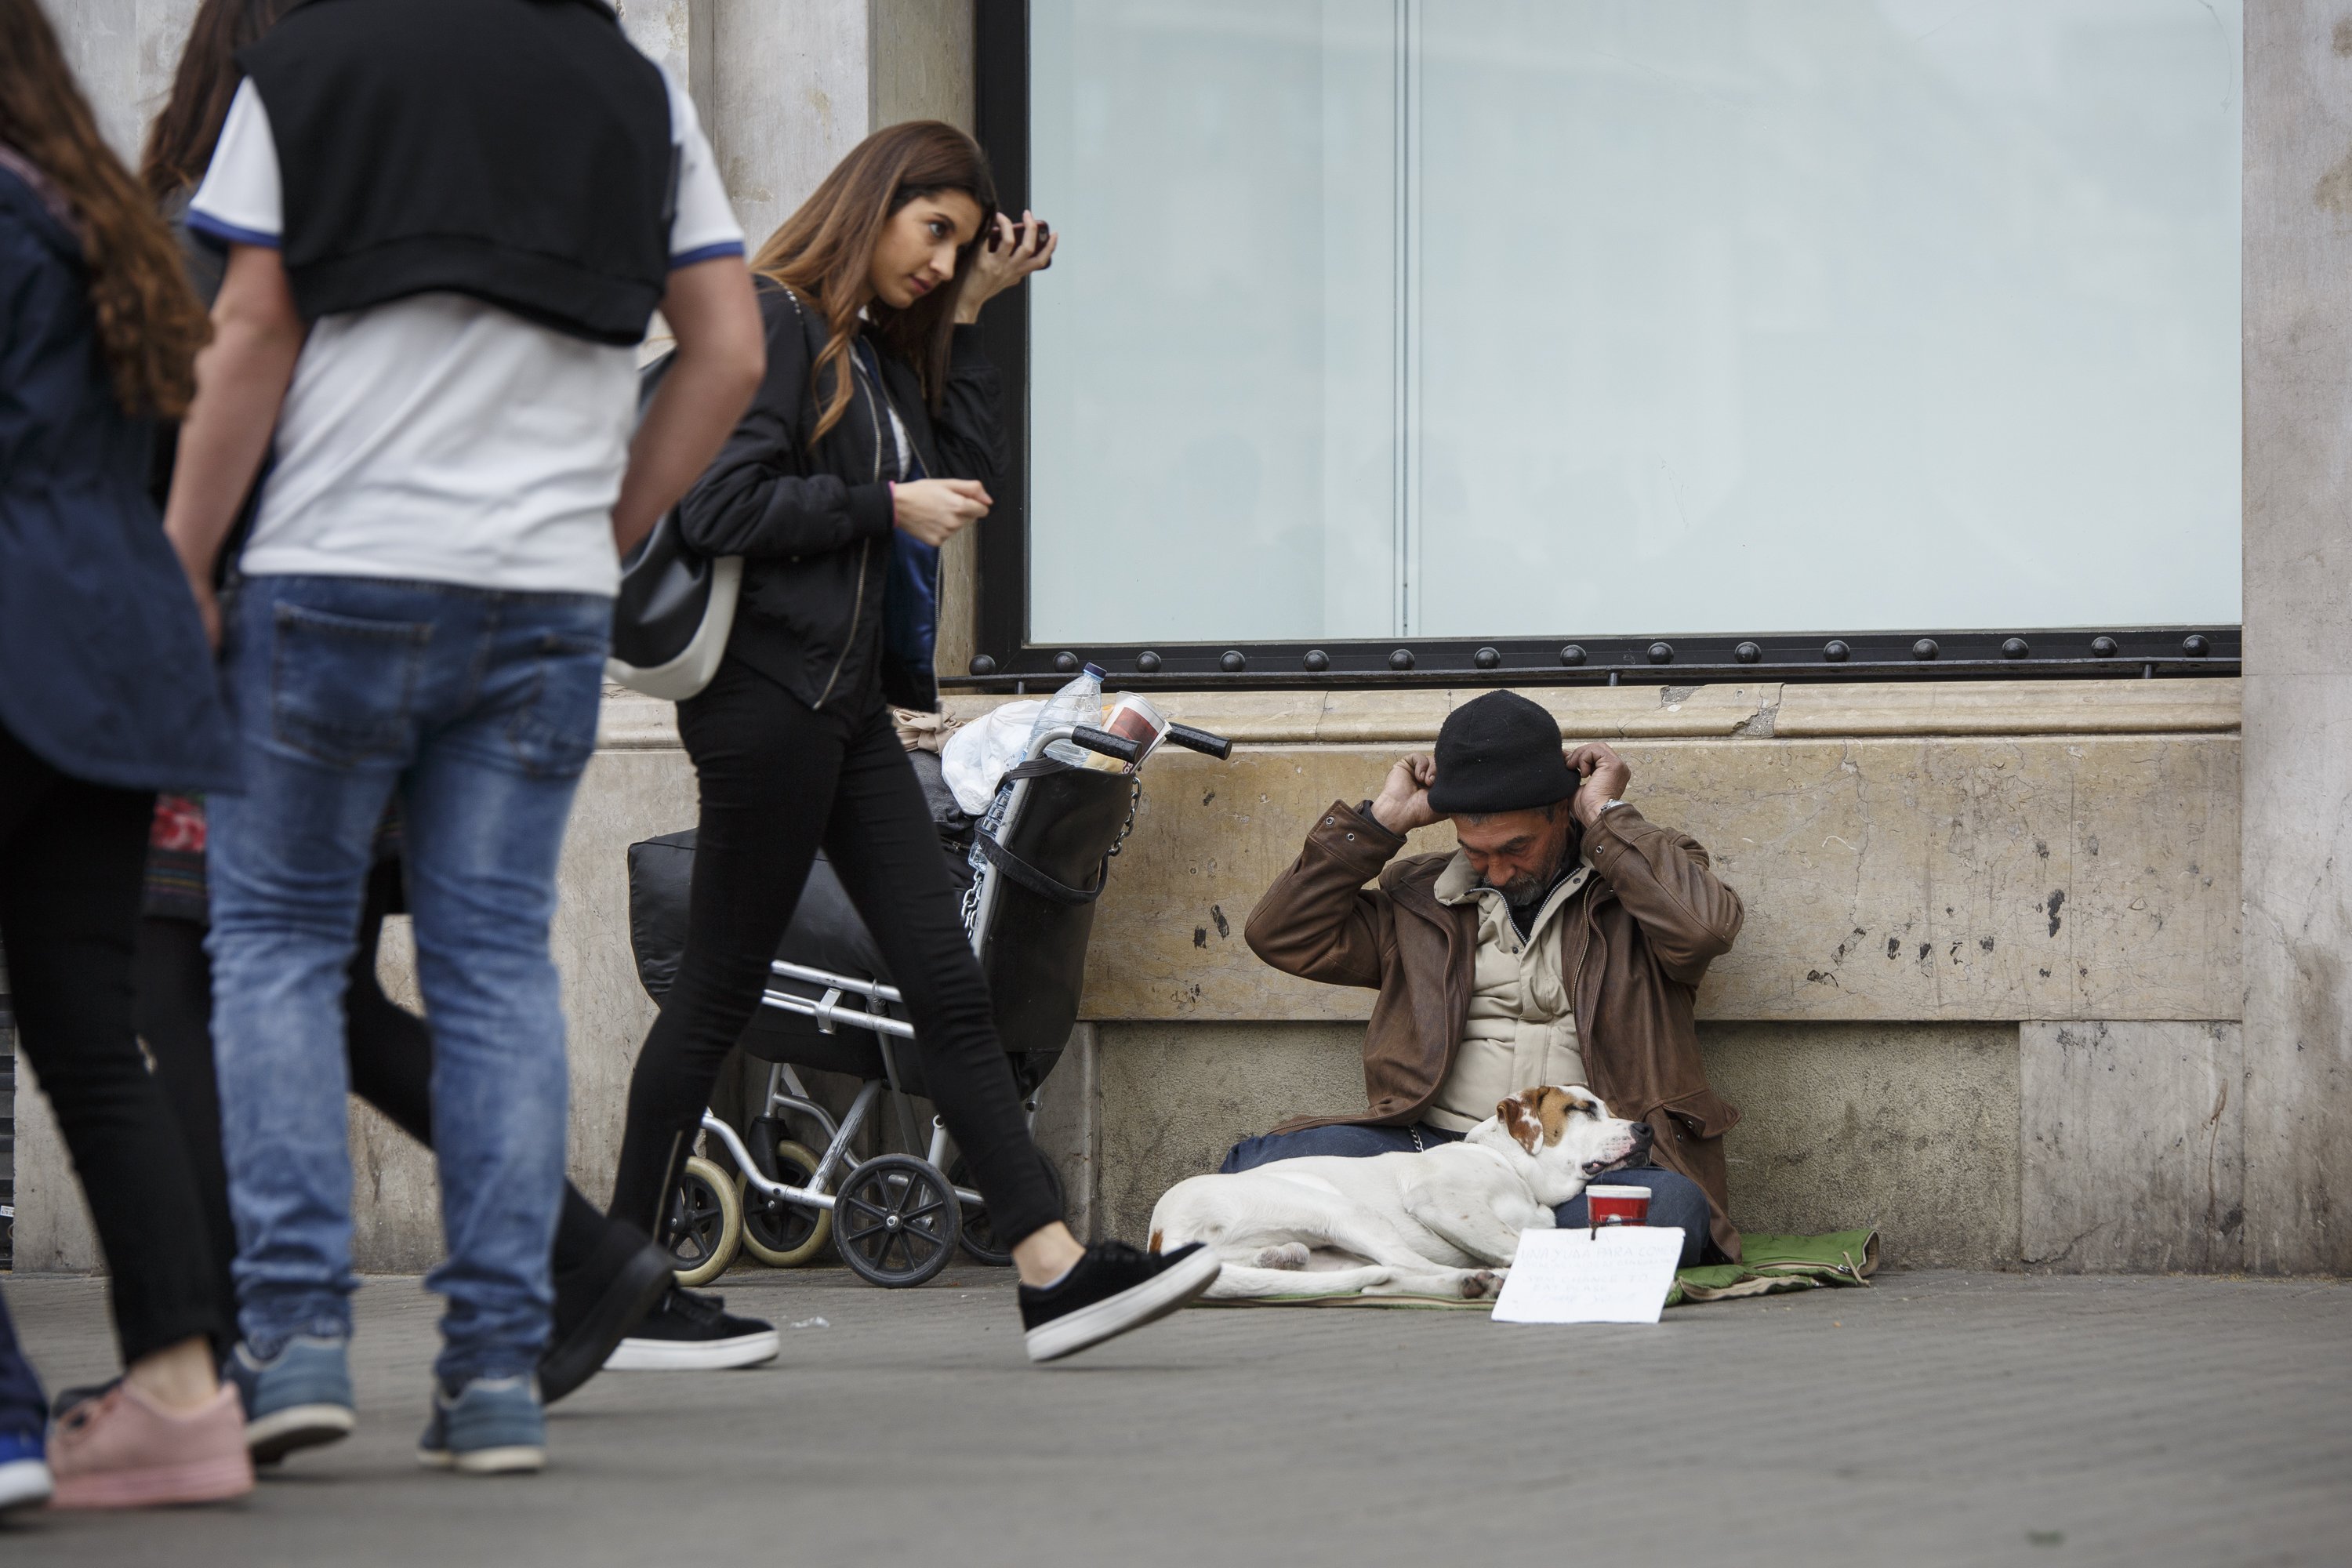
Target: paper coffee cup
{"x":1133,"y":718}
{"x":1618,"y":1205}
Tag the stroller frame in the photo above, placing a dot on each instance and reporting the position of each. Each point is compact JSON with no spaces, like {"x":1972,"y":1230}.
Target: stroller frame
{"x":921,"y":1186}
{"x":786,"y":1094}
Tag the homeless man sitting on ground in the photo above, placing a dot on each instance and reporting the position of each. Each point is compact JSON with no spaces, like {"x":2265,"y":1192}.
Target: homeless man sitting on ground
{"x":1561,"y":943}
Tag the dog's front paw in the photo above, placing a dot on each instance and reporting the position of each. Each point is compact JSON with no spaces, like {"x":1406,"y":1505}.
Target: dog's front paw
{"x":1480,"y":1284}
{"x":1289,"y":1255}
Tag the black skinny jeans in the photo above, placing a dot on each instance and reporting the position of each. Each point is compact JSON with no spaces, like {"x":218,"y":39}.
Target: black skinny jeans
{"x":389,"y":1047}
{"x":778,"y":779}
{"x":72,"y":859}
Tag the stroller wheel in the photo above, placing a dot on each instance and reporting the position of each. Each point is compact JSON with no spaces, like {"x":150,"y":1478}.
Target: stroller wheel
{"x":783,"y":1235}
{"x":979,"y":1238}
{"x":896,"y":1220}
{"x":705,"y":1226}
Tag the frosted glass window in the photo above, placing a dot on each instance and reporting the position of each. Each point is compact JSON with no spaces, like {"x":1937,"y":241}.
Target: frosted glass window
{"x":1466,"y":317}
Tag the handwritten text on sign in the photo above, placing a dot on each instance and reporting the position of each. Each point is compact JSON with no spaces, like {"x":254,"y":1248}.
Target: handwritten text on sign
{"x":1620,"y":1275}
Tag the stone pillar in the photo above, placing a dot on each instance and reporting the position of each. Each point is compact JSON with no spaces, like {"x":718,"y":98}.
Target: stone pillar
{"x":2298,"y":619}
{"x":123,"y":53}
{"x":922,"y":53}
{"x":791,"y":89}
{"x":676,"y":32}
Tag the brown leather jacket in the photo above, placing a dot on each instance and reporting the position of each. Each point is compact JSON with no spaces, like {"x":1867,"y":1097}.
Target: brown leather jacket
{"x":1637,"y":938}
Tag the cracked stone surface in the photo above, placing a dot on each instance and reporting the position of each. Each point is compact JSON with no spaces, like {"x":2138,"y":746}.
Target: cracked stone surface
{"x":2061,"y":877}
{"x":1935,"y":1420}
{"x":2133,"y":1146}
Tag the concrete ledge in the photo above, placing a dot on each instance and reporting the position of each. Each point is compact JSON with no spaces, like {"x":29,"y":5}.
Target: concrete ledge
{"x":1976,"y":850}
{"x":2011,"y":708}
{"x":1760,"y":711}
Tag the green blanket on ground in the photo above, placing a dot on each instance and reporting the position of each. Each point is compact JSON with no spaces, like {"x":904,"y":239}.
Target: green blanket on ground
{"x":1768,"y":1266}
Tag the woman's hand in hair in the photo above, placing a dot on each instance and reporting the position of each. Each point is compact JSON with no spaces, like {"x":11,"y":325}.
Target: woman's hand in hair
{"x":936,"y":510}
{"x":994,"y":271}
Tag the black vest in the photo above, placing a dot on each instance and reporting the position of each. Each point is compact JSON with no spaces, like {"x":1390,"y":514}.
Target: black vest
{"x":516,"y":151}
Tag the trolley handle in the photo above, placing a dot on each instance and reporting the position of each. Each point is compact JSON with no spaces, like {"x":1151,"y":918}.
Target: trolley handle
{"x":1216,"y":746}
{"x":1110,"y":745}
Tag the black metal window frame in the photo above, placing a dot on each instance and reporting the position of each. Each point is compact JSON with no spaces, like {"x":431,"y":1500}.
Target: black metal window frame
{"x":1004,"y":657}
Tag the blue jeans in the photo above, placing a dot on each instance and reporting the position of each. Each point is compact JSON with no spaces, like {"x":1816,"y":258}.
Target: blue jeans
{"x":479,"y":708}
{"x":24,"y":1408}
{"x":1675,"y":1198}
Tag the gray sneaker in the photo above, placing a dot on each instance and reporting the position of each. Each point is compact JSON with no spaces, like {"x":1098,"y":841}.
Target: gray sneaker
{"x":496,"y":1427}
{"x":298,"y":1398}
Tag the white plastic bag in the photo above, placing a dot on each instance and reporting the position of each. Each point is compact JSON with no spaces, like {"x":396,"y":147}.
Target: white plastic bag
{"x":983,"y":750}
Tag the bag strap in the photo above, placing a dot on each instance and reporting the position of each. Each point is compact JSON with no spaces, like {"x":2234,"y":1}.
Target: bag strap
{"x":1027,"y":875}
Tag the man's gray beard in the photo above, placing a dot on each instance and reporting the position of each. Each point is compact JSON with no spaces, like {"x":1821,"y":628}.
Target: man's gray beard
{"x":1524,"y":894}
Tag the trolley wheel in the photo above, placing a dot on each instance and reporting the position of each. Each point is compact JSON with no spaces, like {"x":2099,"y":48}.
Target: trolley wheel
{"x":979,"y":1237}
{"x":896,"y":1220}
{"x":704,"y":1228}
{"x":779,"y":1233}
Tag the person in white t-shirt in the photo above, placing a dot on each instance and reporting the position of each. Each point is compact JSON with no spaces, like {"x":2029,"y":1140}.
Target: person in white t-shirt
{"x":424,"y":608}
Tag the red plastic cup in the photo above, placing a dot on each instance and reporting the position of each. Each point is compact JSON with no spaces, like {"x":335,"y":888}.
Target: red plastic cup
{"x":1618,"y":1205}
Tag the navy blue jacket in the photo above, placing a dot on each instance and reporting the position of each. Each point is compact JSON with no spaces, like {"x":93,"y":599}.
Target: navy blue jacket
{"x":104,"y":674}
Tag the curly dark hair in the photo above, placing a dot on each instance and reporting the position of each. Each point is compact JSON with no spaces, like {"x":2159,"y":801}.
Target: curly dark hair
{"x":150,"y":323}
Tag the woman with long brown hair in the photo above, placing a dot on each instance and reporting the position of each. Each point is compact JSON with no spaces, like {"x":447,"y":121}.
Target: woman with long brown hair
{"x":879,"y":420}
{"x":106,"y":695}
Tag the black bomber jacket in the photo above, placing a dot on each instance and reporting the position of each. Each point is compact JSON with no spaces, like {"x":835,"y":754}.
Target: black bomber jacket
{"x":814,"y":522}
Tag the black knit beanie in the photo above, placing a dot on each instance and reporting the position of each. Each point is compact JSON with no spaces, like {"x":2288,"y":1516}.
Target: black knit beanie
{"x":1499,"y":752}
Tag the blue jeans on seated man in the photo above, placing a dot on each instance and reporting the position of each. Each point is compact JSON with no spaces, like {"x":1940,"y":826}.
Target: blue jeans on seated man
{"x":1675,"y":1198}
{"x":478,"y":707}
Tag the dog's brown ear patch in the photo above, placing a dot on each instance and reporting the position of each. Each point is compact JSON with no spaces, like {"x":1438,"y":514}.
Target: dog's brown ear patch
{"x":1155,"y":1239}
{"x":1519,"y":1120}
{"x":1553,"y":1107}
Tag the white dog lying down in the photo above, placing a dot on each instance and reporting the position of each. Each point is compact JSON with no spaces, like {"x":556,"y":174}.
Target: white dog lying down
{"x":1436,"y":1222}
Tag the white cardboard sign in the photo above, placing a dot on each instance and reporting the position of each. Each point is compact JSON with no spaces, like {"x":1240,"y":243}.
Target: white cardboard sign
{"x":1619,"y":1274}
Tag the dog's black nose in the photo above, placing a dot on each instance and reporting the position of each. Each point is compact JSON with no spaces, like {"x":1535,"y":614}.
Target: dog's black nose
{"x":1643,"y":1138}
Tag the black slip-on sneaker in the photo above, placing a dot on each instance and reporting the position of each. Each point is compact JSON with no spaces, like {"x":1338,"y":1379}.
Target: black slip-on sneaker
{"x":599,"y":1303}
{"x":690,"y":1332}
{"x":1111,"y":1289}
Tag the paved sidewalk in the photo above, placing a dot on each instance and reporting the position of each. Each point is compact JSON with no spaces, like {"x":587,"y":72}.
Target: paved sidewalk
{"x":1938,"y":1418}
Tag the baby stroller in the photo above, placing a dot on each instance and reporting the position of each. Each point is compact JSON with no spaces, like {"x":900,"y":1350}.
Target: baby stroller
{"x":1030,"y":872}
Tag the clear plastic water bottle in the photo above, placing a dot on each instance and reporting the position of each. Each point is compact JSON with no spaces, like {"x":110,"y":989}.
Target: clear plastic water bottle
{"x":1079,"y":702}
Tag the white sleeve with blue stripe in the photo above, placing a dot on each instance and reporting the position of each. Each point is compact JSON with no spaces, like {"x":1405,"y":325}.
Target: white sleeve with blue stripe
{"x":240,"y":201}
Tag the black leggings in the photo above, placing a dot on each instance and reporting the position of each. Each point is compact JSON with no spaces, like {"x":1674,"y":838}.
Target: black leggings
{"x":778,"y":779}
{"x":73,"y":858}
{"x":389,"y":1047}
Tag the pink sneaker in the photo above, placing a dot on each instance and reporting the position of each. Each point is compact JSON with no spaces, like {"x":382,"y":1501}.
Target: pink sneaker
{"x":123,"y":1451}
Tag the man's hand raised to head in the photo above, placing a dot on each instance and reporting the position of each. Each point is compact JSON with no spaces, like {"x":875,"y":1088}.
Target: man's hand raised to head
{"x":1403,"y":802}
{"x":1605,"y":778}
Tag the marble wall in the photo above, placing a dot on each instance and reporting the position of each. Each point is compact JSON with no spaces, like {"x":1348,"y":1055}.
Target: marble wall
{"x":2298,"y":574}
